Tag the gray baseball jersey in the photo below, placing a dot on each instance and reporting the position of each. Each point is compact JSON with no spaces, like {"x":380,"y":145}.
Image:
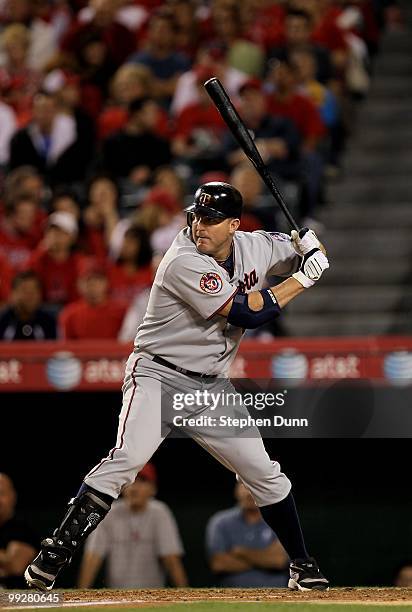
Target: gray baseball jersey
{"x":190,"y":288}
{"x":180,"y":326}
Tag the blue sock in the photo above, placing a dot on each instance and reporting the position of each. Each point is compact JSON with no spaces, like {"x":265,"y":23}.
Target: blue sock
{"x":284,"y":520}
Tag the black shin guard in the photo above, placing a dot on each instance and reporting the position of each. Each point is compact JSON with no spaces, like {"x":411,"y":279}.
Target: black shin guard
{"x":85,"y":512}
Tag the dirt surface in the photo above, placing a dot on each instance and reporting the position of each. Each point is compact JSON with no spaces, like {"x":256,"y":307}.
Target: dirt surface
{"x":141,"y":596}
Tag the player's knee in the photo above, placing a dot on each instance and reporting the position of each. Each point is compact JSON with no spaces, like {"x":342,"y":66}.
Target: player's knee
{"x":270,"y":486}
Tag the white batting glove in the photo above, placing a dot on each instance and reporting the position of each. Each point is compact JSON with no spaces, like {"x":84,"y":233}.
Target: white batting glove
{"x":304,"y":241}
{"x":313,"y":264}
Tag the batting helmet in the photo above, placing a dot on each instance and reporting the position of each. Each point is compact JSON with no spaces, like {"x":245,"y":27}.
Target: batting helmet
{"x":218,"y":200}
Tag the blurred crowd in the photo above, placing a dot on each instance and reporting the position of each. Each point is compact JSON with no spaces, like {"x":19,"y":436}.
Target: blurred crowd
{"x":106,"y":130}
{"x":139,"y":544}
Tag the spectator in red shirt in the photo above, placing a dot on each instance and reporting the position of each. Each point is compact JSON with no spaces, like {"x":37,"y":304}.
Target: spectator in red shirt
{"x":96,"y":315}
{"x":116,"y":38}
{"x":131,"y":82}
{"x":18,"y":80}
{"x":187,"y":25}
{"x":91,"y":236}
{"x":24,"y":183}
{"x":285,"y":101}
{"x":19,"y":230}
{"x":100,"y":216}
{"x":159,"y":213}
{"x":97,"y":43}
{"x":298,"y":28}
{"x":228,"y":32}
{"x":162,"y":215}
{"x":55,"y":262}
{"x":132,"y":271}
{"x":259,"y":208}
{"x":276,"y":137}
{"x":66,"y":200}
{"x":325,"y":29}
{"x":370,"y":26}
{"x":263,"y":21}
{"x":212,"y":58}
{"x":167,"y":178}
{"x":95,"y":69}
{"x":325,"y":101}
{"x":5,"y":279}
{"x":26,"y":180}
{"x":199,"y":128}
{"x":136,"y":150}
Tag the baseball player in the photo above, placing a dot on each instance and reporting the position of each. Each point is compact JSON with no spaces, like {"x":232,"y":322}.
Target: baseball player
{"x":208,"y":289}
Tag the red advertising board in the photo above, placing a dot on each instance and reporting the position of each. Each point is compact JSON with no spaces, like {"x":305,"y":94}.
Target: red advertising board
{"x":95,"y":366}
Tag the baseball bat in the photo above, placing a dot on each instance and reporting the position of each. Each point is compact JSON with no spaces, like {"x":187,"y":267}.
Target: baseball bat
{"x":232,"y":119}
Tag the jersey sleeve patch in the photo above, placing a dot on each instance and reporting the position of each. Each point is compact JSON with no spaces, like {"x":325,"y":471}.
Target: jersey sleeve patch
{"x":211,"y":282}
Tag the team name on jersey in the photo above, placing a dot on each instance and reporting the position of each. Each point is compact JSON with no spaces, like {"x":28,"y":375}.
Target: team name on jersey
{"x":280,"y":236}
{"x":249,"y":280}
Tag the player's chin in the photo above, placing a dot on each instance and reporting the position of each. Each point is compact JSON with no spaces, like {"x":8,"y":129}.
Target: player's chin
{"x":204,"y":246}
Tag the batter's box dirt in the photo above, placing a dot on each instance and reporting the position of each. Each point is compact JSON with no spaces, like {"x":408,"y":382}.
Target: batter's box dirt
{"x":348,"y":599}
{"x":152,"y":596}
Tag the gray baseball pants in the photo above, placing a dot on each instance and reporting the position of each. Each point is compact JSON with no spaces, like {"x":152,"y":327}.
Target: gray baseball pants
{"x":146,"y":418}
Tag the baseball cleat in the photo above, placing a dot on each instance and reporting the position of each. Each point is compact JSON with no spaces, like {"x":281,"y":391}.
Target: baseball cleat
{"x":43,"y":570}
{"x":305,"y":575}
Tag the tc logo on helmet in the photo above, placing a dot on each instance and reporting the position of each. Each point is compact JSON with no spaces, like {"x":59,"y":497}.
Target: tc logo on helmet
{"x":205,"y":198}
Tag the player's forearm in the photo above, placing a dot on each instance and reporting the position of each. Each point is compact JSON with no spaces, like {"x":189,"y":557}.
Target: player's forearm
{"x":284,"y":293}
{"x":287,"y":291}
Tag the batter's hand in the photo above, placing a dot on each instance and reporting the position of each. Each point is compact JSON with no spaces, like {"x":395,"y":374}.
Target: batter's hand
{"x":304,"y":241}
{"x":314,"y":263}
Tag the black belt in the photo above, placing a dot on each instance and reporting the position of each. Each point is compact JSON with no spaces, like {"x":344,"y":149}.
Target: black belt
{"x":166,"y":363}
